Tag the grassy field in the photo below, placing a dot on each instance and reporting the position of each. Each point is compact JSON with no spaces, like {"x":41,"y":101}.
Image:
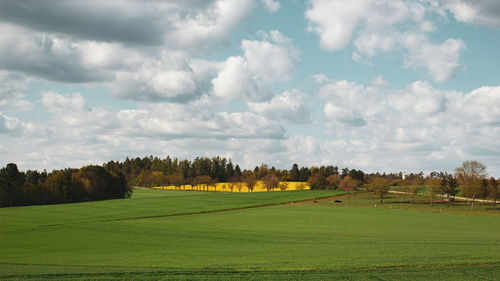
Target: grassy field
{"x":170,"y":235}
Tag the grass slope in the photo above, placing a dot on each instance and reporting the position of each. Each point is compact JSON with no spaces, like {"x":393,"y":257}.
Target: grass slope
{"x":144,"y":203}
{"x":302,"y":241}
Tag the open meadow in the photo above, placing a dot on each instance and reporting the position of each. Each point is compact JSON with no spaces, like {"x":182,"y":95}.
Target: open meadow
{"x":169,"y":235}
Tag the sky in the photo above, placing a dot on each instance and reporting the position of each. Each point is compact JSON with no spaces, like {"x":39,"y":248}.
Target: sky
{"x":376,"y":85}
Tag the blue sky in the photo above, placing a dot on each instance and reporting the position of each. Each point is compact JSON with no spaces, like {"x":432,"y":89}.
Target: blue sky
{"x":387,"y":85}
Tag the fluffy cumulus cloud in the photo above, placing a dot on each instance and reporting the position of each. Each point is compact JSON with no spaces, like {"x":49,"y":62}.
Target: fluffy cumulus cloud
{"x":164,"y":120}
{"x":410,"y":125}
{"x":140,"y":53}
{"x":380,"y":27}
{"x":479,"y":12}
{"x":263,"y":62}
{"x":129,"y":45}
{"x":76,"y":133}
{"x":170,"y":76}
{"x":288,"y":107}
{"x":439,"y":60}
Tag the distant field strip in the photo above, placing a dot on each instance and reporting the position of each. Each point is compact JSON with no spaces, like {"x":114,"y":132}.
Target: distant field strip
{"x":236,"y":187}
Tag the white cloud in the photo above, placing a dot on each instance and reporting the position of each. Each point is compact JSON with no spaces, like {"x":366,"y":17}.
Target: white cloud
{"x":416,"y":127}
{"x":382,"y":27}
{"x":71,"y":115}
{"x":349,"y":117}
{"x":420,"y":99}
{"x":76,"y":134}
{"x":173,"y":76}
{"x":441,"y":61}
{"x":106,"y":55}
{"x":479,"y":12}
{"x":335,"y":21}
{"x":203,"y":28}
{"x":287,"y":107}
{"x":55,"y":102}
{"x":271,"y":5}
{"x":135,"y":49}
{"x":173,"y":83}
{"x":267,"y":61}
{"x":236,"y":81}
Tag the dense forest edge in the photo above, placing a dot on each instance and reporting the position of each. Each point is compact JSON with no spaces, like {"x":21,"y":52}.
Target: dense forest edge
{"x":115,"y":179}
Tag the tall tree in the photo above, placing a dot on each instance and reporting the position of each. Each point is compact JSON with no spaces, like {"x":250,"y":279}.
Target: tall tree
{"x":448,"y":186}
{"x":470,"y":177}
{"x":295,"y":173}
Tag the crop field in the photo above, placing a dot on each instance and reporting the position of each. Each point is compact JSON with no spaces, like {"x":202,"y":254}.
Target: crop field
{"x":178,"y":235}
{"x":237,"y":187}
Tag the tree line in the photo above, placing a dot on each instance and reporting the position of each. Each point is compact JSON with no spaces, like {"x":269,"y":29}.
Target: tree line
{"x":470,"y":179}
{"x":154,"y":171}
{"x":89,"y":183}
{"x":114,"y":178}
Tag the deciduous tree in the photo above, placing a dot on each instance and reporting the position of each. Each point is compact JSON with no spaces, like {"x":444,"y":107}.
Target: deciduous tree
{"x":470,"y":176}
{"x":493,"y":190}
{"x":250,"y":179}
{"x":432,"y":185}
{"x":270,"y":181}
{"x":379,"y":186}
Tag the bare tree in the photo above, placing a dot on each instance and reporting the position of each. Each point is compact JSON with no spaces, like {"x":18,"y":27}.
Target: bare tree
{"x":470,"y":176}
{"x":270,"y":181}
{"x":233,"y":181}
{"x":379,"y":186}
{"x":414,"y":187}
{"x":432,"y":185}
{"x":250,"y":179}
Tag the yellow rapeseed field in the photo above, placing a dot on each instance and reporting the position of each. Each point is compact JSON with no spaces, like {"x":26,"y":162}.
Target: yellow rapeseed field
{"x":237,"y":187}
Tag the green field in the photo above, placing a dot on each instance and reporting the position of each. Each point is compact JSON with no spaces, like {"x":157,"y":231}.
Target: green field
{"x":168,"y":235}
